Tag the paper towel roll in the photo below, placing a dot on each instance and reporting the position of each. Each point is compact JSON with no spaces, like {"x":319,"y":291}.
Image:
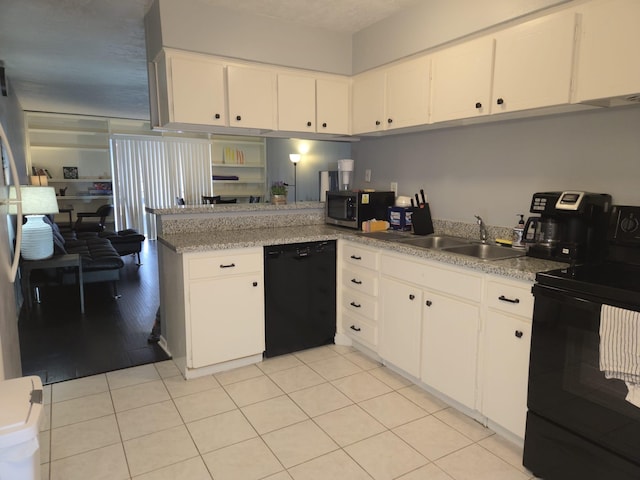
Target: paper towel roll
{"x":324,"y":185}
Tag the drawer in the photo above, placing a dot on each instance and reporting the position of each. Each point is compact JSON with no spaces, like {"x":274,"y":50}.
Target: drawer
{"x":223,"y":265}
{"x":511,"y":297}
{"x":364,"y":281}
{"x":360,"y":256}
{"x":455,"y":282}
{"x":360,"y":304}
{"x":360,"y":330}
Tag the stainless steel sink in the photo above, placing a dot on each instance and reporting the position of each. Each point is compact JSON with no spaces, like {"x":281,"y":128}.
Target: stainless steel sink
{"x":435,"y":241}
{"x":484,"y":251}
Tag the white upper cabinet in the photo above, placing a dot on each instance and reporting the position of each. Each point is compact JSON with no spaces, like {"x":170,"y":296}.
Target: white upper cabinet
{"x":190,"y":90}
{"x":461,"y":80}
{"x":308,"y":104}
{"x":296,"y":103}
{"x":333,"y":102}
{"x":533,"y":64}
{"x":395,"y":97}
{"x":252,"y":97}
{"x":407,"y":93}
{"x":608,"y":63}
{"x":368,"y":102}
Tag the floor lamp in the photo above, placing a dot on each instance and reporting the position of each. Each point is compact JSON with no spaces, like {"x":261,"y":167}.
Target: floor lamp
{"x":295,"y":158}
{"x":37,"y":235}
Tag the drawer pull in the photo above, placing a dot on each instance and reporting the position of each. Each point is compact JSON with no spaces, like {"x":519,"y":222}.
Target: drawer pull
{"x":354,"y":304}
{"x":255,"y":284}
{"x":356,"y":281}
{"x":231,"y":265}
{"x":519,"y":333}
{"x":502,"y":298}
{"x":354,"y":328}
{"x":428,"y":303}
{"x":412,"y":296}
{"x":356,"y":257}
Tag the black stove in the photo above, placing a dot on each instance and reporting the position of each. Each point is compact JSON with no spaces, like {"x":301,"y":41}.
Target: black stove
{"x":580,"y":422}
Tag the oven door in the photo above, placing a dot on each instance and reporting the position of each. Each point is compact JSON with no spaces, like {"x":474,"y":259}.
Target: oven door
{"x":573,"y":409}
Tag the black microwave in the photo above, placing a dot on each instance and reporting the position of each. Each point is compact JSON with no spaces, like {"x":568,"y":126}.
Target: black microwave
{"x":350,"y":209}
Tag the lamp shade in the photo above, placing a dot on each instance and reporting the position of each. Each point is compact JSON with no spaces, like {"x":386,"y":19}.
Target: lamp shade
{"x":35,"y":200}
{"x":294,"y":157}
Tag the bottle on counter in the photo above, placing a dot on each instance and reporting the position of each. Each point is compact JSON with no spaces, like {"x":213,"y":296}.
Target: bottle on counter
{"x":518,"y":233}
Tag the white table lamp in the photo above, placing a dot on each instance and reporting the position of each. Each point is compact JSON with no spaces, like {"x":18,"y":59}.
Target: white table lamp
{"x":37,"y":236}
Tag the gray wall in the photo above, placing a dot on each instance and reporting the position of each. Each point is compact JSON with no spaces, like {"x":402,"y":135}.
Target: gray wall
{"x":432,"y":23}
{"x":199,"y":27}
{"x":323,"y":155}
{"x":493,"y":169}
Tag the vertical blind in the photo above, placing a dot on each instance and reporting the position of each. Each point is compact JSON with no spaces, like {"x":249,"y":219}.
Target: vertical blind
{"x":154,"y":172}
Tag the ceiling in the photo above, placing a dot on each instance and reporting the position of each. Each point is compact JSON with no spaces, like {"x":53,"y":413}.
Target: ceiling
{"x":88,"y":56}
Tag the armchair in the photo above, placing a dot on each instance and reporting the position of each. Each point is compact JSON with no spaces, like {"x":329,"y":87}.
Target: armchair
{"x":93,"y":226}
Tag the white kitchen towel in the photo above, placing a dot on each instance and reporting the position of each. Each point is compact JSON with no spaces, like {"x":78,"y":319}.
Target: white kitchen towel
{"x":620,"y":348}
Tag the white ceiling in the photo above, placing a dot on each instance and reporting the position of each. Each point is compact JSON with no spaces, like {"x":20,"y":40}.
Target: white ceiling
{"x":88,"y":56}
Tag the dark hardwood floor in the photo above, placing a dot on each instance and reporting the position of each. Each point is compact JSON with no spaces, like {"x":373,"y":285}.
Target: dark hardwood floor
{"x":58,"y":343}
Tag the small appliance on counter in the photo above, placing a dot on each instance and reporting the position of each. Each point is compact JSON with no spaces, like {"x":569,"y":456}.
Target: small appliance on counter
{"x":345,"y":169}
{"x":572,"y":226}
{"x":351,"y":208}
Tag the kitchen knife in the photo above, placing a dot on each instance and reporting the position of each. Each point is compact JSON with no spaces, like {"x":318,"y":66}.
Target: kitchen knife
{"x":424,"y":199}
{"x":413,"y":204}
{"x":417,"y":201}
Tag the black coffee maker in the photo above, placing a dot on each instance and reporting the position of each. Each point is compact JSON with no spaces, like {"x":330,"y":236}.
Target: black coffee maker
{"x":572,"y":226}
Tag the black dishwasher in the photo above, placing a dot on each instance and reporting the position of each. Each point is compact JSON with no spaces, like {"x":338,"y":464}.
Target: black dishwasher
{"x":300,"y":296}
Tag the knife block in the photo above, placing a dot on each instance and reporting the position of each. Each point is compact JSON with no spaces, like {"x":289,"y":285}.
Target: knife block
{"x":421,"y":220}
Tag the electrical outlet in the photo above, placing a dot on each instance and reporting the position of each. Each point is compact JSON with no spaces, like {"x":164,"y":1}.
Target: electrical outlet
{"x":394,"y":187}
{"x":367,"y":175}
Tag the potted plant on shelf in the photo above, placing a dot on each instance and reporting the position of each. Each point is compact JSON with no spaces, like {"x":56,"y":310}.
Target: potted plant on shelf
{"x":279,"y":193}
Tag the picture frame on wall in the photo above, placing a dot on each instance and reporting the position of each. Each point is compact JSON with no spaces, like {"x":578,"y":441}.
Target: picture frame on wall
{"x":70,"y":173}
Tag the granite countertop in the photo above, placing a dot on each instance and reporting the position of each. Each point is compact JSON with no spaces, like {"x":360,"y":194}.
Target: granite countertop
{"x":521,"y":268}
{"x":233,"y":208}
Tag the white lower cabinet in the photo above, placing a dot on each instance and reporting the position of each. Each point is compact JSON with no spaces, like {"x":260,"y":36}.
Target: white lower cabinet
{"x":430,"y":321}
{"x":359,"y":287}
{"x":450,"y":346}
{"x":225,"y":312}
{"x":212,"y":309}
{"x":401,"y":325}
{"x":226,"y":317}
{"x":506,"y":341}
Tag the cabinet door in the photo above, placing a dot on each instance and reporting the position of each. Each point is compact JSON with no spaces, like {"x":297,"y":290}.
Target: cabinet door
{"x":507,"y":340}
{"x":449,"y":346}
{"x":533,"y":64}
{"x":401,"y":325}
{"x":196,"y":91}
{"x":252,"y":97}
{"x":407,"y":94}
{"x":368,"y":102}
{"x":461,"y":83}
{"x":226,"y":318}
{"x":608,"y":50}
{"x":296,"y":103}
{"x":332,"y":103}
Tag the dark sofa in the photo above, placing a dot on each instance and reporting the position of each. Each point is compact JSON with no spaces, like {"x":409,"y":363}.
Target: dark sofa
{"x":100,"y":261}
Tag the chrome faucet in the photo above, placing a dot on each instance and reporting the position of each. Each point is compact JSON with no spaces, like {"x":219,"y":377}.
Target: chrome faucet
{"x":483,"y":229}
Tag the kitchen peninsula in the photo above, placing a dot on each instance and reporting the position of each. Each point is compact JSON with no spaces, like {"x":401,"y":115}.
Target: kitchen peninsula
{"x":212,"y":298}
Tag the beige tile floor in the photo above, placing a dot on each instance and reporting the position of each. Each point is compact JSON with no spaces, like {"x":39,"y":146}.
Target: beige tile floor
{"x":324,"y":413}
